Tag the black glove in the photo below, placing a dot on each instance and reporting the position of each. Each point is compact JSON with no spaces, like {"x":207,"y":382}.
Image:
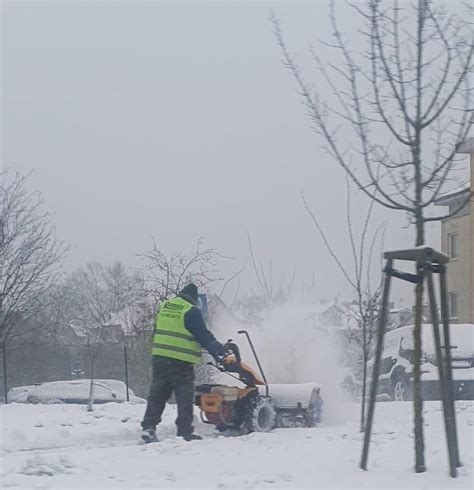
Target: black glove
{"x":216,"y":348}
{"x":233,"y":348}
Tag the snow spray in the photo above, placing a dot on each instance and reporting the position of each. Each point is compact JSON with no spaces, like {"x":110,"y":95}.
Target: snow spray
{"x":293,"y":348}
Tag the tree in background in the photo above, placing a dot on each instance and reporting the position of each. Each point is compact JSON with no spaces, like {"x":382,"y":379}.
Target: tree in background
{"x":358,"y":275}
{"x":270,"y":290}
{"x":30,"y":255}
{"x":53,"y":320}
{"x":406,"y":99}
{"x":99,"y":294}
{"x":165,"y":275}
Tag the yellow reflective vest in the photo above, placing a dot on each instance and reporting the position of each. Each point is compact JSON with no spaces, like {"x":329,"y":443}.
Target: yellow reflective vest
{"x":172,"y":339}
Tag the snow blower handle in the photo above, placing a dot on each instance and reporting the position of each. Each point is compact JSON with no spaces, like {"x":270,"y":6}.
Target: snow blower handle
{"x":232,"y":348}
{"x":244,"y":332}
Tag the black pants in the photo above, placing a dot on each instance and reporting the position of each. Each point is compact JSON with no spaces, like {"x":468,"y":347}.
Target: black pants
{"x":171,"y":375}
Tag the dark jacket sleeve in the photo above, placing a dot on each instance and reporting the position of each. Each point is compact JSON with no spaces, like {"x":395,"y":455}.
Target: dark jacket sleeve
{"x":194,"y":323}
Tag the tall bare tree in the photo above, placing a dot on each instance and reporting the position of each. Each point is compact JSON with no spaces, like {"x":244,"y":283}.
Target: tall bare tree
{"x":270,"y":289}
{"x":406,"y":99}
{"x":165,"y":275}
{"x":30,"y":254}
{"x":56,"y":314}
{"x":358,"y":276}
{"x":99,"y":294}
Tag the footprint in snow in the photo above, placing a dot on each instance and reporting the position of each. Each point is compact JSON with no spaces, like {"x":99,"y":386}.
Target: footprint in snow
{"x":287,"y":477}
{"x":42,"y":466}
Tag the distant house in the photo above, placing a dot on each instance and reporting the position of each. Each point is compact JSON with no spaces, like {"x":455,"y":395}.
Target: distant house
{"x":346,"y":315}
{"x":457,"y":238}
{"x":339,"y":313}
{"x":110,"y":334}
{"x":66,"y":336}
{"x":333,"y":315}
{"x":401,"y":317}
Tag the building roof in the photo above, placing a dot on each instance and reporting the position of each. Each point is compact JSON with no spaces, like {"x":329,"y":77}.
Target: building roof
{"x":459,"y":193}
{"x":467,"y":146}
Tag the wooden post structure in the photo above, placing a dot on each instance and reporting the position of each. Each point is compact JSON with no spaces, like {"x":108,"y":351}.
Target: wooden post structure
{"x":442,"y":372}
{"x":378,"y":356}
{"x":428,"y":261}
{"x":446,"y":352}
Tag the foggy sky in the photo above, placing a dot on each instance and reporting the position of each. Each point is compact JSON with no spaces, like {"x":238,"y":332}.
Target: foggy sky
{"x":177,"y":120}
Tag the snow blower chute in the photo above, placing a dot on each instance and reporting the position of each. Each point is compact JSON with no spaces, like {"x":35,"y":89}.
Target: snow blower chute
{"x":258,"y":406}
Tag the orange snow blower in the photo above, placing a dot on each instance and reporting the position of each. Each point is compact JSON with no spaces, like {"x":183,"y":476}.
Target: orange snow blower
{"x":257,"y":406}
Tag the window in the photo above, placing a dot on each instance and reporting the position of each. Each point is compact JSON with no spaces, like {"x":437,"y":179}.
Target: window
{"x":453,"y":304}
{"x":453,"y":245}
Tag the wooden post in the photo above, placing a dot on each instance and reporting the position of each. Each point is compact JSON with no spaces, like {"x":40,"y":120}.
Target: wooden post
{"x":447,"y":360}
{"x":428,"y":261}
{"x":441,"y":370}
{"x":378,"y":356}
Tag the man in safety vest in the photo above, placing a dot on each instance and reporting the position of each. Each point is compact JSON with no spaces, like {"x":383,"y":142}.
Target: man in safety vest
{"x":180,"y":335}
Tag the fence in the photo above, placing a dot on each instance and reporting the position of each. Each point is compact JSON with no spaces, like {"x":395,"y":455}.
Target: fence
{"x":119,"y":372}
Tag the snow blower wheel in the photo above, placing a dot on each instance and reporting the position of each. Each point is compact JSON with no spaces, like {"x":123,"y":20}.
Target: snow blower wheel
{"x":260,"y":415}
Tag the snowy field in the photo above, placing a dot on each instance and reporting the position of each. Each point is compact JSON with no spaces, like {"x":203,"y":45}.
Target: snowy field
{"x":63,"y":446}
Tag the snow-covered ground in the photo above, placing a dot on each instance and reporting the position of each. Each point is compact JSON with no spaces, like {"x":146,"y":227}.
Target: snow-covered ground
{"x":64,"y":446}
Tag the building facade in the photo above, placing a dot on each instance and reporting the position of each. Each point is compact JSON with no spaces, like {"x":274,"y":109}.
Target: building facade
{"x":457,"y":238}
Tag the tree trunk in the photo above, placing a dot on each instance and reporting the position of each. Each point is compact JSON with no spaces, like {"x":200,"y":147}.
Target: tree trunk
{"x":364,"y":374}
{"x":364,"y":391}
{"x":418,"y":402}
{"x":90,"y":405}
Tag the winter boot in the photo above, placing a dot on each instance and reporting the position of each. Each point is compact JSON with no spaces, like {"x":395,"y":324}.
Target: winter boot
{"x":149,"y":435}
{"x":192,"y":437}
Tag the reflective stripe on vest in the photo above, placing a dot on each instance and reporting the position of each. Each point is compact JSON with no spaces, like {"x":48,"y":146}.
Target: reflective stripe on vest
{"x":172,"y":339}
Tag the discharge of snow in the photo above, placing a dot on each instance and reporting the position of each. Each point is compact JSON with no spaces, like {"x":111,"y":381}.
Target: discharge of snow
{"x":292,"y":349}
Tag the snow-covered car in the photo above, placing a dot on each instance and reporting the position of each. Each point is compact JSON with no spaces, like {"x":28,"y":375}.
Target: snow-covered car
{"x":396,"y":371}
{"x":19,"y":394}
{"x":77,"y":391}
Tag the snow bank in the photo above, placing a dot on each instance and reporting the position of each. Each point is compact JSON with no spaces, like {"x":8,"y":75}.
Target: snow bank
{"x":26,"y":427}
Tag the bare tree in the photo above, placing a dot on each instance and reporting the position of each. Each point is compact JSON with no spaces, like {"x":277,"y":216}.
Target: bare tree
{"x":358,"y":275}
{"x":270,"y":289}
{"x":56,"y":315}
{"x":273,"y":288}
{"x":100,"y":293}
{"x":30,"y":254}
{"x":407,"y":100}
{"x":165,"y":275}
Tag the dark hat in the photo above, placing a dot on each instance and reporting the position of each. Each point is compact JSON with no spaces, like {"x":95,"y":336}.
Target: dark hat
{"x":190,"y":290}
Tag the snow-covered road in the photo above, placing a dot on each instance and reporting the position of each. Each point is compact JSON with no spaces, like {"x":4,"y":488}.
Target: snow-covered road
{"x":63,"y":446}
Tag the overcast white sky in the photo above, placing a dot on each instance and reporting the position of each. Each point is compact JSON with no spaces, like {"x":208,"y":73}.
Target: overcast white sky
{"x":173,"y":119}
